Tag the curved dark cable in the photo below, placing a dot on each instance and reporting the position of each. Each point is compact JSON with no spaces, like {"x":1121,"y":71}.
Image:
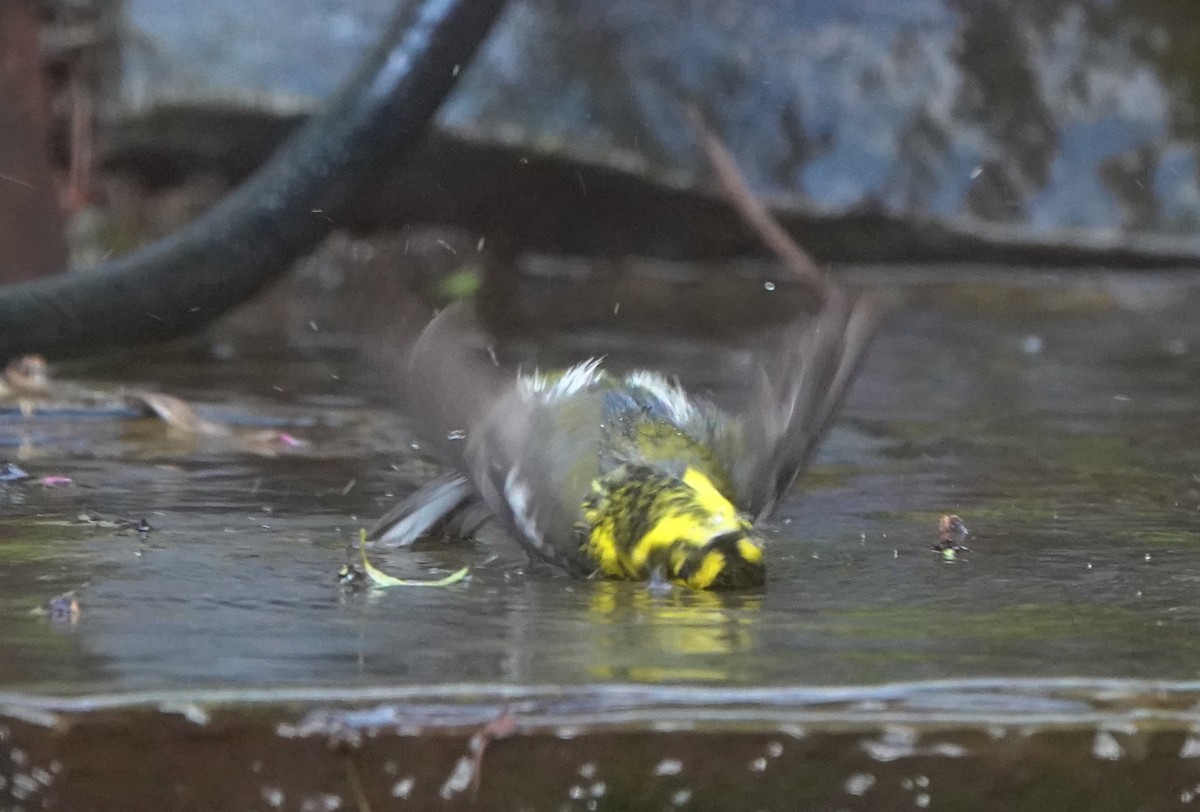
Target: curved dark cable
{"x":185,"y":280}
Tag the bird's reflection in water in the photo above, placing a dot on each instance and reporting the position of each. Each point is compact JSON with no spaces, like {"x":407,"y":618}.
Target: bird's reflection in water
{"x":672,"y":635}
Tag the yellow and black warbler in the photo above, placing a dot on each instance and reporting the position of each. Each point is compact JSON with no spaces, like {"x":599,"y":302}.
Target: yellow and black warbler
{"x":626,"y":476}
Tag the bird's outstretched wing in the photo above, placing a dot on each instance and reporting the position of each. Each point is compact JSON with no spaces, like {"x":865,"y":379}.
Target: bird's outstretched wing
{"x":451,"y":381}
{"x":504,"y":436}
{"x":516,"y":443}
{"x":446,"y":504}
{"x":801,"y":375}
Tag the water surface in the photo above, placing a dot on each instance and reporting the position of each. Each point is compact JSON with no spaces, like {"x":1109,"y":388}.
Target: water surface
{"x":1059,"y":420}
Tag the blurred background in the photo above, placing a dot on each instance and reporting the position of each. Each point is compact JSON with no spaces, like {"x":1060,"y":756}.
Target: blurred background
{"x":1058,"y":133}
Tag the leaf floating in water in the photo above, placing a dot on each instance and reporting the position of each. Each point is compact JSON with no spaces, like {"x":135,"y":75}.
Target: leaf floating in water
{"x":952,"y":532}
{"x":62,"y":608}
{"x":382,"y":579}
{"x":178,"y":414}
{"x":11,"y":473}
{"x":25,"y":376}
{"x":289,"y":440}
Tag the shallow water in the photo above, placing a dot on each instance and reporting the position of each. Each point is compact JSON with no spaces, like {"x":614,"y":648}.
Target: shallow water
{"x":1060,"y":423}
{"x":1054,"y":666}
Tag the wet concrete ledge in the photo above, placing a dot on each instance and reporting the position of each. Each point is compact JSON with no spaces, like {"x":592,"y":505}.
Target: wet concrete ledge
{"x":978,"y":744}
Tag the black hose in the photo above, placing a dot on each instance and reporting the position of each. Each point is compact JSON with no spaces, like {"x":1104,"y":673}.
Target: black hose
{"x":180,"y":283}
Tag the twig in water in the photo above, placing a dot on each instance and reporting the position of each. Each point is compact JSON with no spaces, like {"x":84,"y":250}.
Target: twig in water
{"x":751,"y":209}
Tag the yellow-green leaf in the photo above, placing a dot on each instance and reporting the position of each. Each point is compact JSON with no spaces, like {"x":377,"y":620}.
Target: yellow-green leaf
{"x":382,"y":579}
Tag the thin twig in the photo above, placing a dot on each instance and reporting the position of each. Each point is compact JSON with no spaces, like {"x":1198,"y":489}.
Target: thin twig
{"x":501,"y":727}
{"x":79,"y":193}
{"x":751,"y":209}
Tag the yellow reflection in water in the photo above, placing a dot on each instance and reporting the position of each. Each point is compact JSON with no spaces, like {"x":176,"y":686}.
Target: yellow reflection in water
{"x":679,"y":636}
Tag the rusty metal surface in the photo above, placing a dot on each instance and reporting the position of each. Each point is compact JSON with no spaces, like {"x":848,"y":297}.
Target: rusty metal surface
{"x":30,"y":220}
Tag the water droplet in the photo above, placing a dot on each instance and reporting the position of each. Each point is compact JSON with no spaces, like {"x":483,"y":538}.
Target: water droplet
{"x":681,"y":797}
{"x":1105,"y":747}
{"x":768,"y":286}
{"x":457,"y":434}
{"x":459,"y":779}
{"x":668,"y":766}
{"x":859,"y":783}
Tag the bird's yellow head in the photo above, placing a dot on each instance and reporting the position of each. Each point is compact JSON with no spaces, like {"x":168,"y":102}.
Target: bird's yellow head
{"x":728,"y":561}
{"x":639,"y":520}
